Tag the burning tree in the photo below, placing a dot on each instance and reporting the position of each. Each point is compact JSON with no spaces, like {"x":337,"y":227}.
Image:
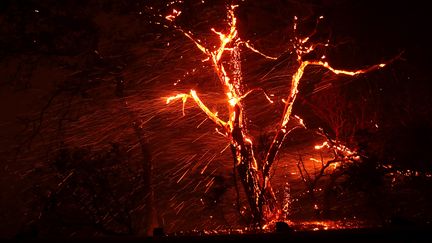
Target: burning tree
{"x":253,"y":173}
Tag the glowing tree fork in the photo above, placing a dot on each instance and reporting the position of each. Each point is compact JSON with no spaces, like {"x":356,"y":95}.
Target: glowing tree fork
{"x":255,"y":179}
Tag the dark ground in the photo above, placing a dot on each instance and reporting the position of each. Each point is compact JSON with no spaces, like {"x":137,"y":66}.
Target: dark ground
{"x":357,"y":235}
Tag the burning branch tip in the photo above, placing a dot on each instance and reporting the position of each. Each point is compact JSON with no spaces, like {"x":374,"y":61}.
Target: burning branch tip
{"x":250,"y":47}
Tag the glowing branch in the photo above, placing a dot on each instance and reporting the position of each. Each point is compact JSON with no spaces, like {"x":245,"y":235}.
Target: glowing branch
{"x":345,"y":72}
{"x":295,"y":80}
{"x":200,"y":47}
{"x":212,"y":116}
{"x":248,"y":45}
{"x":184,"y":98}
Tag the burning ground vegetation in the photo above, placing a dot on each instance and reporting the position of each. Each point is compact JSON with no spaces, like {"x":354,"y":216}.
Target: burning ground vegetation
{"x":204,"y":117}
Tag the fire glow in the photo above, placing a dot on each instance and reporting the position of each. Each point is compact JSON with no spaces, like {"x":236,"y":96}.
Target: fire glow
{"x":254,"y":174}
